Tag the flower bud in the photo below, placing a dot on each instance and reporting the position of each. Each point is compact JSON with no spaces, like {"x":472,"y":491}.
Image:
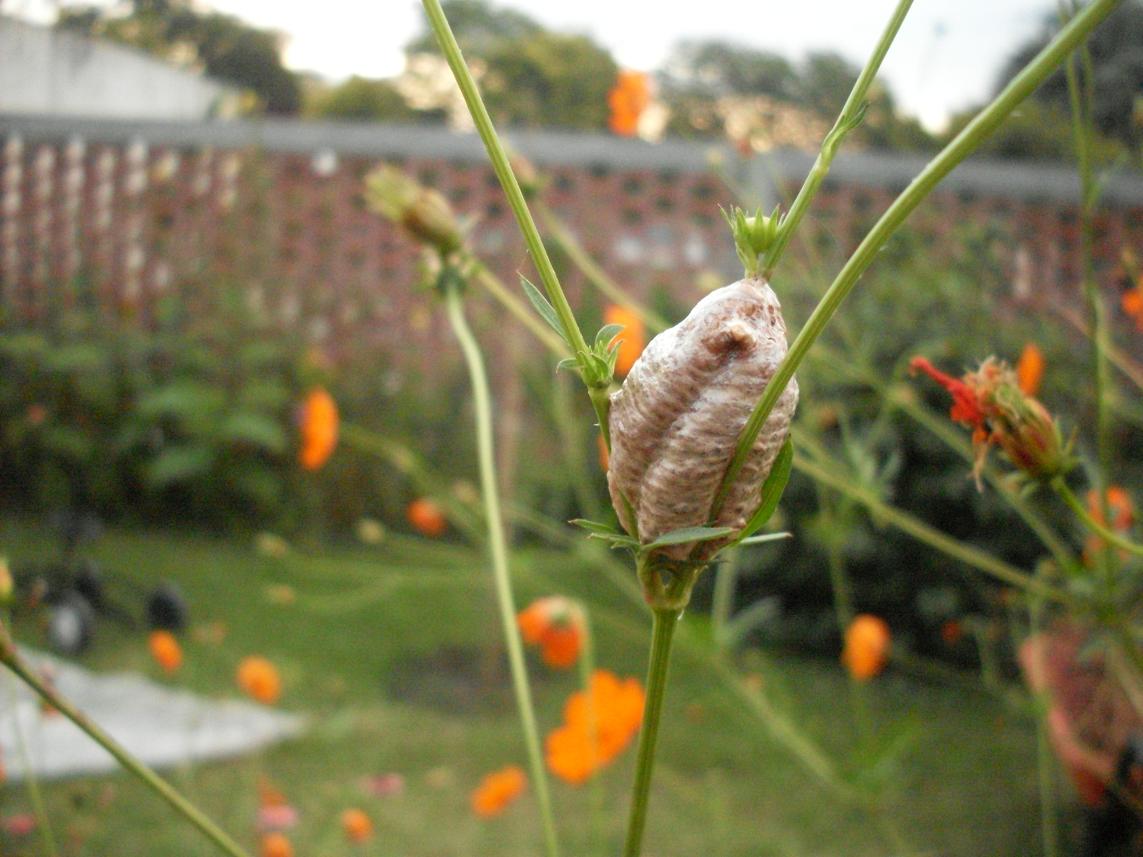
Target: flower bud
{"x":675,"y":422}
{"x":424,"y":212}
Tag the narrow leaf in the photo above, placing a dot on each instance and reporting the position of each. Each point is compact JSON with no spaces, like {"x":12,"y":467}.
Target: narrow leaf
{"x":594,"y":526}
{"x":546,"y":310}
{"x":689,"y":534}
{"x":607,"y":333}
{"x":772,"y":490}
{"x":768,"y":537}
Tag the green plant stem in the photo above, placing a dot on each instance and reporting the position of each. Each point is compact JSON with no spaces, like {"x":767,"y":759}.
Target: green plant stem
{"x":662,"y":632}
{"x":1080,"y":99}
{"x":499,"y":552}
{"x":586,"y":670}
{"x":931,"y":536}
{"x":940,"y":166}
{"x":847,"y":120}
{"x":31,"y":781}
{"x":10,"y":657}
{"x":1110,"y":536}
{"x":524,"y":314}
{"x":722,"y":599}
{"x":594,"y":273}
{"x":500,"y":165}
{"x":411,"y":465}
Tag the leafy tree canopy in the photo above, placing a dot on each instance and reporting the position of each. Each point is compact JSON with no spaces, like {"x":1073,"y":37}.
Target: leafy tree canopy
{"x":533,"y":77}
{"x":1116,"y":49}
{"x":221,"y":45}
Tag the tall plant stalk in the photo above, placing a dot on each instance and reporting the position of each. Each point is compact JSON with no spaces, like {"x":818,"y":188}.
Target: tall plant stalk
{"x":11,"y":658}
{"x":498,"y":549}
{"x":662,"y":632}
{"x":963,"y":145}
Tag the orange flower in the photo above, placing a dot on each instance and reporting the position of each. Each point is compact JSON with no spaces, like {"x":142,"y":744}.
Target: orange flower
{"x":598,"y":726}
{"x":426,"y":517}
{"x":1132,"y":303}
{"x":557,"y":625}
{"x":1119,"y":506}
{"x":1122,"y":513}
{"x":1030,"y":369}
{"x":276,"y":845}
{"x":259,"y":678}
{"x":632,"y":339}
{"x":991,"y":403}
{"x":319,"y":423}
{"x":627,"y":100}
{"x":867,"y":641}
{"x":357,"y":825}
{"x":166,"y":651}
{"x":497,"y":790}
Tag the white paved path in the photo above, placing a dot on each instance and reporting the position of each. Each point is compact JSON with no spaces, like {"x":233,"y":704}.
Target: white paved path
{"x":162,"y":726}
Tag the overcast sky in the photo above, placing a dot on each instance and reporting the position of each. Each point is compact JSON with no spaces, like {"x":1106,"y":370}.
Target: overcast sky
{"x":946,"y":56}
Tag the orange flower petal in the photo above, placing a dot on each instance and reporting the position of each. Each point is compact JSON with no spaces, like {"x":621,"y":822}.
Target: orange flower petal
{"x":357,"y":825}
{"x":632,"y":339}
{"x":319,"y":425}
{"x":497,"y":790}
{"x":866,"y":651}
{"x":427,"y":518}
{"x":1030,"y":369}
{"x":259,"y":678}
{"x":166,"y":651}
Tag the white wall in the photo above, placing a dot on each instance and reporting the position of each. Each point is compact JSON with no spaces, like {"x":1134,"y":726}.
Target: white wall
{"x":51,"y":72}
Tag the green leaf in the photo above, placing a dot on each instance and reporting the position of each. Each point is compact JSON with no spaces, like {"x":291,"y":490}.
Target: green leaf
{"x":181,"y":399}
{"x":567,"y":363}
{"x":546,"y":310}
{"x":594,"y":526}
{"x":768,"y":537}
{"x":254,"y":429}
{"x":772,"y":490}
{"x":605,"y":532}
{"x":180,"y":464}
{"x":267,"y":395}
{"x":606,"y":334}
{"x":78,"y":357}
{"x":689,"y":534}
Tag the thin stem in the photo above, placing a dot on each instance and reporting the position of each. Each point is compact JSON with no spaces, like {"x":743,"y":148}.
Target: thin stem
{"x":931,"y":536}
{"x":31,"y":781}
{"x":406,"y":461}
{"x":499,"y":158}
{"x":847,"y":120}
{"x":594,"y":273}
{"x":586,"y":670}
{"x":1079,"y":99}
{"x":499,"y":551}
{"x":722,"y":599}
{"x":662,"y":632}
{"x":960,"y":148}
{"x":11,"y":659}
{"x":1065,"y":493}
{"x":524,"y":314}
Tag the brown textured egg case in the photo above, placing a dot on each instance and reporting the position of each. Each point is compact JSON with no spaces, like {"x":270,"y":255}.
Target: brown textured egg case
{"x":675,"y":421}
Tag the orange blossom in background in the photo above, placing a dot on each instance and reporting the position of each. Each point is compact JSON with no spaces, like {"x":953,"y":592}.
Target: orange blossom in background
{"x":867,"y":641}
{"x":259,"y":679}
{"x":557,"y":625}
{"x":497,"y":790}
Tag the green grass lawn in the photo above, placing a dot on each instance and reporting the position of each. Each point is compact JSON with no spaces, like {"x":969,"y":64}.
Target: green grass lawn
{"x":393,"y":653}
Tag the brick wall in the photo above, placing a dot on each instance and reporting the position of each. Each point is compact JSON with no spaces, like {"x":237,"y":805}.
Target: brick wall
{"x":117,"y":215}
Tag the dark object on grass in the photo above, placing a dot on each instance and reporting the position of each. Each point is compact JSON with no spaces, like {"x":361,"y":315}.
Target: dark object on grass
{"x":76,"y":592}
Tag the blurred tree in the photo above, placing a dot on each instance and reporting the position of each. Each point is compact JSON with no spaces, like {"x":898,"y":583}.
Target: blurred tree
{"x":713,"y":68}
{"x":222,"y":46}
{"x":478,"y":27}
{"x":704,"y":83}
{"x":532,"y":76}
{"x":1117,"y":57}
{"x":362,"y":99}
{"x":1037,"y":131}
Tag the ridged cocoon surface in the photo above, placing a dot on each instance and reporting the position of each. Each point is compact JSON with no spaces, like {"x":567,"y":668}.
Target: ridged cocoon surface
{"x":675,"y":421}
